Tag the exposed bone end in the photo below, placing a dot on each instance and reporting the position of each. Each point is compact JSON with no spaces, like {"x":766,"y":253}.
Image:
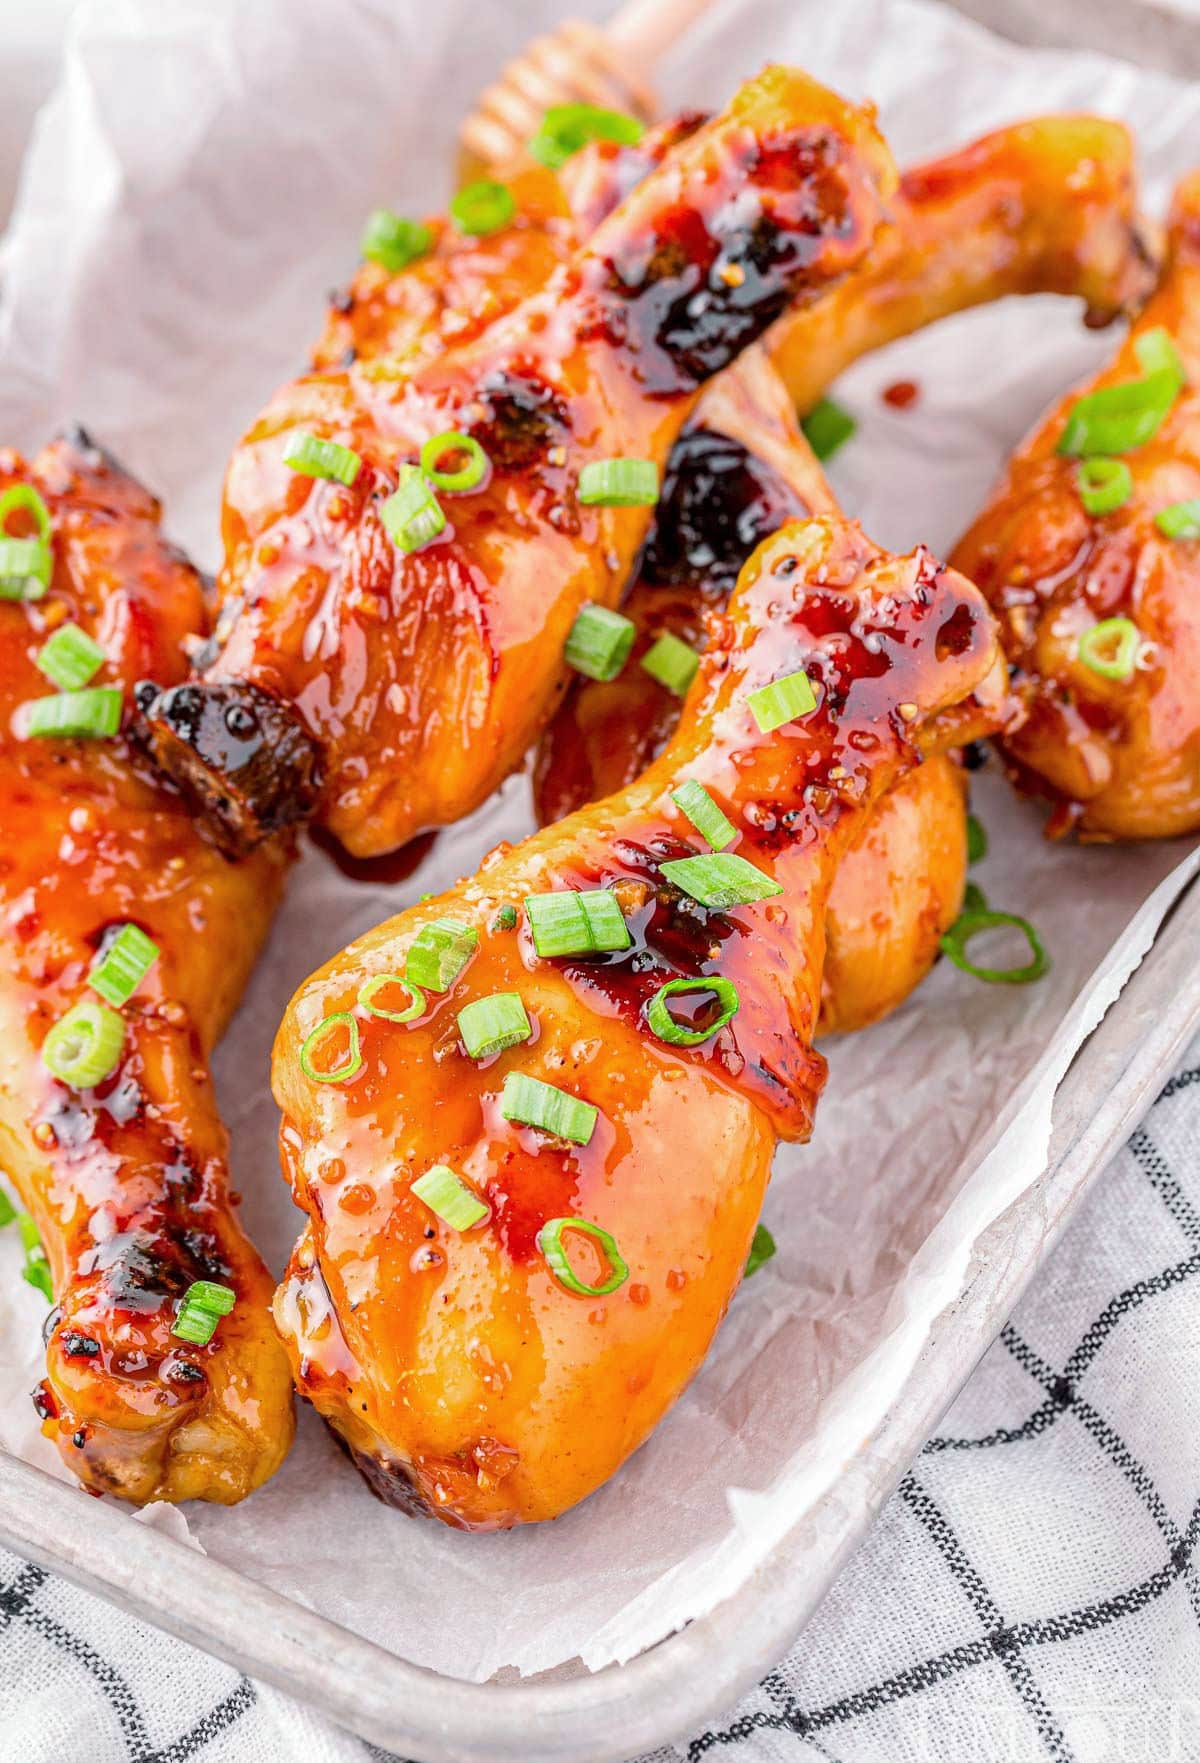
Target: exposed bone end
{"x":241,"y":754}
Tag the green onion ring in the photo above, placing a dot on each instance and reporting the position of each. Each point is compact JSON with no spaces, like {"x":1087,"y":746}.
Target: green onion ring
{"x":415,"y":1007}
{"x":341,"y":1073}
{"x":549,"y":1241}
{"x":664,"y":1025}
{"x":969,"y":924}
{"x":468,"y":475}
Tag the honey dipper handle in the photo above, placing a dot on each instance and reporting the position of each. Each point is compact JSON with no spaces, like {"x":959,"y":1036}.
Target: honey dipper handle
{"x":643,"y":30}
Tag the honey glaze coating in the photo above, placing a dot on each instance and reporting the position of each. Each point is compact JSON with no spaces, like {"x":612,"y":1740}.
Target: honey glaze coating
{"x":1118,"y":757}
{"x":127,"y":1182}
{"x":466,"y":1379}
{"x":417,"y":681}
{"x":740,"y":470}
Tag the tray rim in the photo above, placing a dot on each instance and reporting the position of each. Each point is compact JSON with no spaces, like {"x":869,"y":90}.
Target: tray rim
{"x":700,"y":1671}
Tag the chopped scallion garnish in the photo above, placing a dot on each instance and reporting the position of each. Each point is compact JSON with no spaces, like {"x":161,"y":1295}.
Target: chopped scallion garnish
{"x":1156,"y":353}
{"x":370,"y":989}
{"x":529,"y":1102}
{"x":1118,"y":418}
{"x":1104,"y":485}
{"x":482,"y":208}
{"x":7,"y":1210}
{"x":489,"y":1025}
{"x":413,"y":515}
{"x":566,"y":128}
{"x":599,"y":642}
{"x":1111,"y":648}
{"x":70,"y":658}
{"x":782,"y":701}
{"x":693,"y":800}
{"x":675,"y":1034}
{"x":977,"y":844}
{"x":313,"y":457}
{"x":203,"y":1305}
{"x":36,"y":1268}
{"x":438,"y":954}
{"x":84,"y":1046}
{"x":761,"y":1250}
{"x":720,"y":881}
{"x":570,"y":923}
{"x":619,"y":483}
{"x":826,"y":427}
{"x":449,"y":1198}
{"x":92,"y":714}
{"x":971,"y":924}
{"x":328,"y":1032}
{"x":123,"y":965}
{"x":672,"y":662}
{"x":25,"y":499}
{"x":394,"y":242}
{"x":1180,"y":521}
{"x":470,"y":473}
{"x":550,"y":1242}
{"x":26,"y":566}
{"x":505,"y":919}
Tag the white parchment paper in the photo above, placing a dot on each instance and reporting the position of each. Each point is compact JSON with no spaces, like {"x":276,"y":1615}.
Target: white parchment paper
{"x":195,"y":185}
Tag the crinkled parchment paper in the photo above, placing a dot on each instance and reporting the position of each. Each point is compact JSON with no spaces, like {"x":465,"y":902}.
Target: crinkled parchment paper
{"x":196,"y":184}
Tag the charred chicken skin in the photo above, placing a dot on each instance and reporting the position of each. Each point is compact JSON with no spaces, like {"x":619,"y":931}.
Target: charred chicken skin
{"x":1100,"y":611}
{"x":127,"y":1180}
{"x":385,"y":691}
{"x":497,"y":1373}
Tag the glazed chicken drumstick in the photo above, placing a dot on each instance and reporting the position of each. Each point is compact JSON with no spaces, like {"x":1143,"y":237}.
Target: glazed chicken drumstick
{"x":532,"y":1121}
{"x":107,"y":1119}
{"x":1089,"y":552}
{"x":385,"y":672}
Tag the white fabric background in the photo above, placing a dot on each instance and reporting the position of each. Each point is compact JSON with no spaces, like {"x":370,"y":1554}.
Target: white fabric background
{"x":1030,"y":1593}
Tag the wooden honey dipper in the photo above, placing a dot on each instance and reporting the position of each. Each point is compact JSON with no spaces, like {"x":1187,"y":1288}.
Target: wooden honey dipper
{"x":577,"y":64}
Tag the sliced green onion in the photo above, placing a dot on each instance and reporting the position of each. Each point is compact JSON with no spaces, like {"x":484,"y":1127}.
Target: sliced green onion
{"x":1104,"y":484}
{"x":974,"y":898}
{"x":549,"y":1241}
{"x":977,"y":840}
{"x":92,"y":714}
{"x":566,"y":128}
{"x":7,"y":1210}
{"x":720,"y":881}
{"x":505,"y":919}
{"x":599,"y":642}
{"x":530,"y":1102}
{"x":471,"y":472}
{"x":826,"y":427}
{"x":782,"y":701}
{"x":482,"y":208}
{"x":204,"y":1304}
{"x":571,"y":923}
{"x":761,"y":1250}
{"x":328,"y":1030}
{"x":84,"y":1046}
{"x":1156,"y":353}
{"x":693,"y":800}
{"x":438,"y":954}
{"x":413,"y":515}
{"x":394,"y":242}
{"x":370,"y":989}
{"x":1180,"y":521}
{"x":449,"y":1198}
{"x":209,"y":1294}
{"x":36,"y":1268}
{"x":664,"y":1025}
{"x":489,"y":1025}
{"x":671,"y":662}
{"x":313,"y":457}
{"x":970,"y":924}
{"x":26,"y":566}
{"x":1111,"y":648}
{"x":27,"y":499}
{"x":123,"y":965}
{"x":70,"y":658}
{"x":1118,"y":418}
{"x":618,"y":483}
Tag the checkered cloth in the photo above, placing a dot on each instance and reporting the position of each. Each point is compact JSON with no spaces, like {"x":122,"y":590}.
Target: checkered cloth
{"x":1031,"y":1591}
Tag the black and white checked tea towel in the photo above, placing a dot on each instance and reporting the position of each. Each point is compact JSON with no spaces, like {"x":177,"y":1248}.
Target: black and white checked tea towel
{"x":1032,"y":1591}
